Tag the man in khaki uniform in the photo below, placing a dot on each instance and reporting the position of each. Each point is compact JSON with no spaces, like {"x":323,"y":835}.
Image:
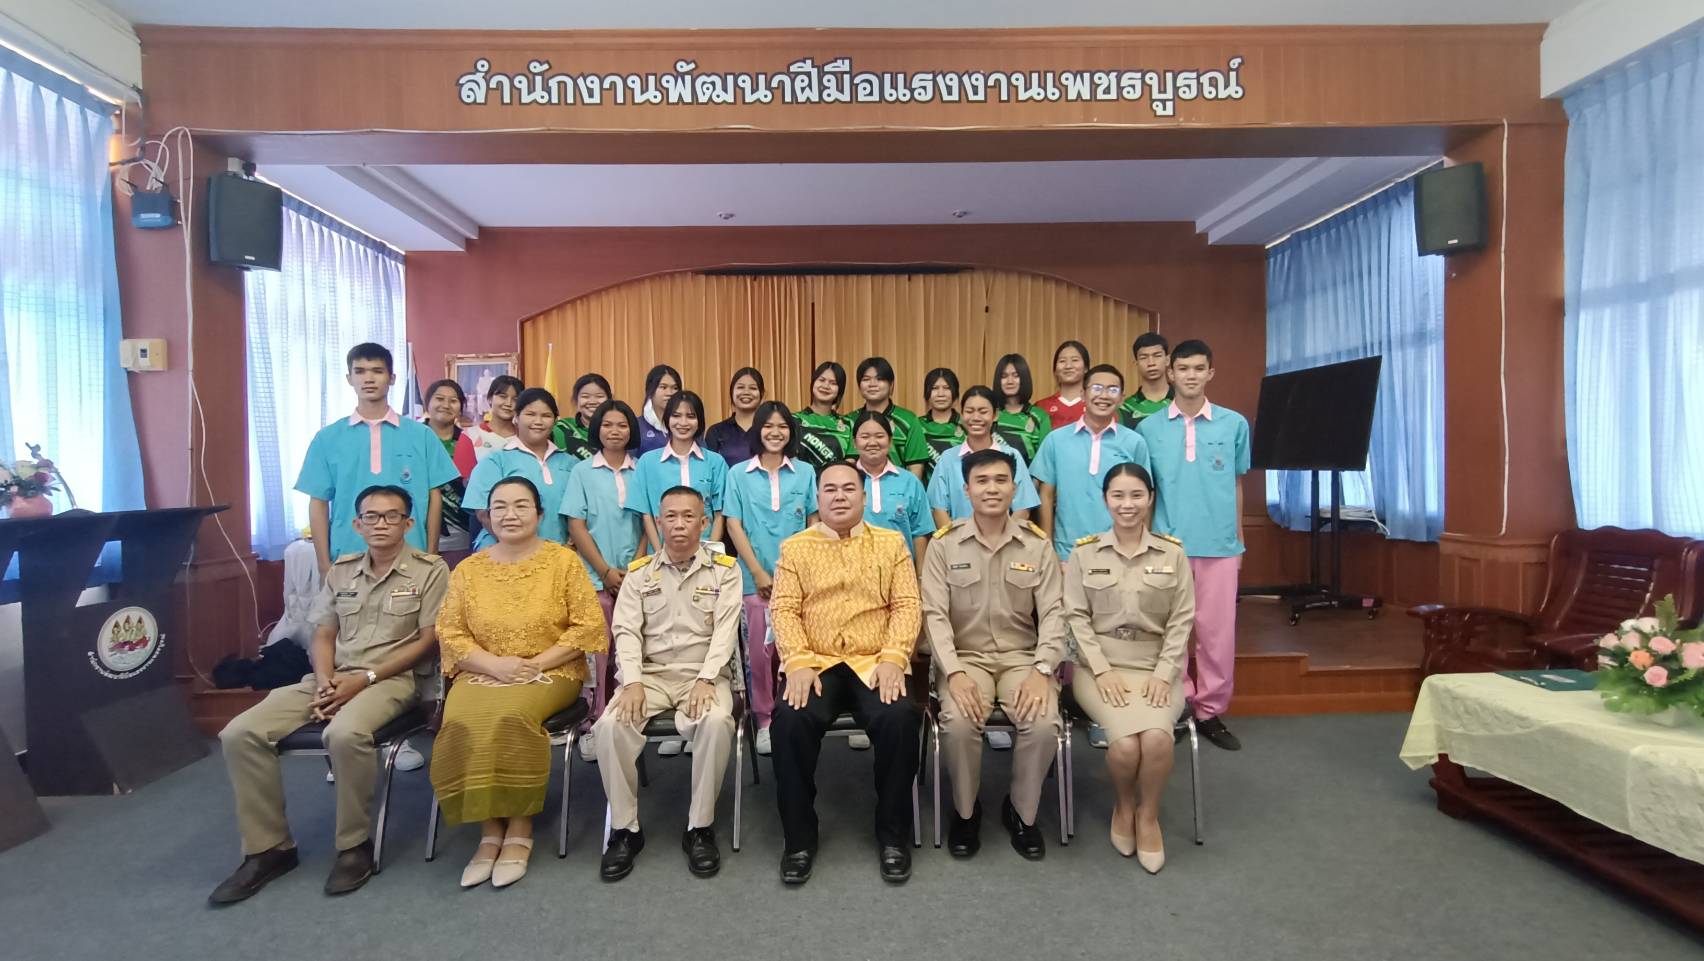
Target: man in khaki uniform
{"x":676,"y":623}
{"x":995,"y":618}
{"x":372,"y":652}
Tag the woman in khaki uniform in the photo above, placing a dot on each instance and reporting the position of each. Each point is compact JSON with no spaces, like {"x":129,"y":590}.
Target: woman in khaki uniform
{"x":1130,"y":604}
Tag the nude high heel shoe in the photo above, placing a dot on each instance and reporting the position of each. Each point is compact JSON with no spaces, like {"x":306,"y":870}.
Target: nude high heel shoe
{"x":1151,"y":861}
{"x":478,"y":871}
{"x":1124,"y":844}
{"x":509,"y":870}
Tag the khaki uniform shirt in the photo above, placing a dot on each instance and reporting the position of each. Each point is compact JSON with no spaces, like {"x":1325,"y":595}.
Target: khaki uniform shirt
{"x":681,"y":620}
{"x":1132,"y":612}
{"x":992,"y":598}
{"x":373,"y":615}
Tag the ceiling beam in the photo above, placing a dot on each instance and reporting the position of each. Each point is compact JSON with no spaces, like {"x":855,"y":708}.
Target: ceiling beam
{"x":414,"y":200}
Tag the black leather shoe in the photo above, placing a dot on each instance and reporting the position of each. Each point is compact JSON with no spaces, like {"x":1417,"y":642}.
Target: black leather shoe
{"x":964,"y":835}
{"x":796,"y":866}
{"x":703,"y":858}
{"x":351,"y":869}
{"x":896,"y":863}
{"x":1026,"y":838}
{"x":624,"y":846}
{"x":256,"y":871}
{"x":1214,"y":729}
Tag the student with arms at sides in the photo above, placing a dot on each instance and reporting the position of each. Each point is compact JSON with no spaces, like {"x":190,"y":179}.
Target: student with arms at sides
{"x":1020,"y":423}
{"x":574,"y":432}
{"x":1129,"y":602}
{"x":948,"y":501}
{"x":1070,"y":364}
{"x":941,"y":427}
{"x":825,"y":436}
{"x":661,"y":383}
{"x":893,"y":498}
{"x":768,"y":499}
{"x":1153,"y":391}
{"x":603,"y":531}
{"x":681,"y":462}
{"x":372,"y":446}
{"x":444,"y":400}
{"x":732,"y":438}
{"x":493,"y":433}
{"x":1200,"y":452}
{"x":910,"y":447}
{"x":531,"y":455}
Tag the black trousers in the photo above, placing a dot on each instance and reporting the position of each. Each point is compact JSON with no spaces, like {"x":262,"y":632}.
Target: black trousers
{"x":796,"y":742}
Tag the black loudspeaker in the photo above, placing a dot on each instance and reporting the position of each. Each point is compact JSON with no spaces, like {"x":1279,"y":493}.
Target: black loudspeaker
{"x":245,"y":222}
{"x":1449,"y":209}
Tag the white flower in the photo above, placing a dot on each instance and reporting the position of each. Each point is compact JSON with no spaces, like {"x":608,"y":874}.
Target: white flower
{"x":1649,"y":625}
{"x":1626,"y":626}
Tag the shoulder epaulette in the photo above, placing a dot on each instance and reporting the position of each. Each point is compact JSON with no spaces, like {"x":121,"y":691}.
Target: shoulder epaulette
{"x":723,"y":559}
{"x":346,"y":558}
{"x":434,"y":558}
{"x":1087,"y":540}
{"x":1035,"y":529}
{"x":941,"y":532}
{"x":639,"y":562}
{"x":1168,"y":537}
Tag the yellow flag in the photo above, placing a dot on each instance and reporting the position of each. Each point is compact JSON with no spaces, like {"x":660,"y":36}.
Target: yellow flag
{"x":549,"y":381}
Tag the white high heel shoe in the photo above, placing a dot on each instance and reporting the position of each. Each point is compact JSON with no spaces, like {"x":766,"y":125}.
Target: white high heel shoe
{"x":1151,"y":861}
{"x":509,"y":870}
{"x":478,"y":871}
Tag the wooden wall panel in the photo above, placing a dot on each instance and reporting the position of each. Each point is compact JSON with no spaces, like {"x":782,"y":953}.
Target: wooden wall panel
{"x":1492,"y":572}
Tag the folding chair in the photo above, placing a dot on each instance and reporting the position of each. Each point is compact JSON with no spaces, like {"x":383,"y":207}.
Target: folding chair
{"x":1061,"y":770}
{"x":309,"y":741}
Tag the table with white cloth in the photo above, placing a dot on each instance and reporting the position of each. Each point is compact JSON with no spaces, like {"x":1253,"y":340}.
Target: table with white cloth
{"x":1559,"y":761}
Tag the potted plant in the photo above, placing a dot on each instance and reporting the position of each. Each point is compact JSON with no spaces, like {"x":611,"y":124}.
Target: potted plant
{"x":25,"y":485}
{"x":1649,"y":667}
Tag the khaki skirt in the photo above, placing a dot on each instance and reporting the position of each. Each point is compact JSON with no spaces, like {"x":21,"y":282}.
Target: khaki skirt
{"x":1136,"y":715}
{"x":492,"y":757}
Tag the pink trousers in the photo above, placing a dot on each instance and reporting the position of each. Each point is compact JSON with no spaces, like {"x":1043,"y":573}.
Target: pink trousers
{"x":1215,"y":647}
{"x":762,"y":654}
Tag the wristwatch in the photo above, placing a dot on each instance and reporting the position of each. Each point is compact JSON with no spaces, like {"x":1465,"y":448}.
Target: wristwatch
{"x":372,"y":678}
{"x":1046,"y":670}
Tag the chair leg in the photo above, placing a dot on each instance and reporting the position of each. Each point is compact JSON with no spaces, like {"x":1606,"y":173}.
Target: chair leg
{"x":739,"y":781}
{"x":917,"y":792}
{"x":432,"y":829}
{"x":935,"y":774}
{"x":1070,"y":784}
{"x":567,"y":780}
{"x":1195,"y":777}
{"x":384,"y":805}
{"x":756,"y":768}
{"x":1059,"y":785}
{"x":608,"y":817}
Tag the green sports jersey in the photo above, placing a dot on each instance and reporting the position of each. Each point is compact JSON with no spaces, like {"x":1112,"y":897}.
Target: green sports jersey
{"x":570,"y":436}
{"x":909,"y":444}
{"x":823,"y":438}
{"x":941,"y":437}
{"x":1138,"y":406}
{"x":1022,"y":431}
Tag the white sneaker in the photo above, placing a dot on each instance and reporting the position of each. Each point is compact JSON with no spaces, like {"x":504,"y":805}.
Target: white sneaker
{"x":763,"y":747}
{"x":588,"y":748}
{"x":670,"y":748}
{"x":1097,"y":736}
{"x":859,"y":742}
{"x":408,"y":759}
{"x":330,"y":778}
{"x":999,"y":740}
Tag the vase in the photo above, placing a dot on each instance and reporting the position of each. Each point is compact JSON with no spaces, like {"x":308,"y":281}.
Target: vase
{"x":35,"y":506}
{"x":1680,"y":717}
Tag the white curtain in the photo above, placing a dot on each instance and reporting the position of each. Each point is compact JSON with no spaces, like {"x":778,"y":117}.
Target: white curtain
{"x":336,"y":288}
{"x":60,"y":383}
{"x":1634,"y":228}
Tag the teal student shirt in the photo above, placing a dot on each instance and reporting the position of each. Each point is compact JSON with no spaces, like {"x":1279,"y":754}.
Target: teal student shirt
{"x":598,"y":494}
{"x":771,"y":506}
{"x":1197,"y":461}
{"x":549,"y":475}
{"x":344,"y":459}
{"x":895,"y":499}
{"x":946,"y":487}
{"x":1075,"y":459}
{"x":703,"y":471}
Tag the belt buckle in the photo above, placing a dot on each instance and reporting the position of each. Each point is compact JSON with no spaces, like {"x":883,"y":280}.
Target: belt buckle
{"x":1124,"y":634}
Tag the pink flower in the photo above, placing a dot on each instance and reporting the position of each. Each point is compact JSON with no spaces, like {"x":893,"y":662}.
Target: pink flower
{"x":1632,"y":640}
{"x":1662,"y":645}
{"x":1641,"y":659}
{"x":1657,"y":677}
{"x":1609,"y":642}
{"x":1692,"y":656}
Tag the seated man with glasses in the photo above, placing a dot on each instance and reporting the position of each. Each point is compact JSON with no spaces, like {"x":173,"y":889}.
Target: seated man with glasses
{"x":374,"y":638}
{"x":1072,"y":462}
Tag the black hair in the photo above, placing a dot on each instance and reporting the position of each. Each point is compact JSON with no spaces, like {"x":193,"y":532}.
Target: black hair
{"x":681,"y":490}
{"x":1105,"y":369}
{"x":1026,"y":384}
{"x":866,"y":416}
{"x":534,"y":394}
{"x":517,"y":480}
{"x":1193,"y":348}
{"x":461,"y":395}
{"x":940,"y":373}
{"x":883,"y":369}
{"x":1149,"y":339}
{"x":392,"y":490}
{"x":369,"y":351}
{"x":986,"y":457}
{"x":1124,"y":469}
{"x":983,"y":391}
{"x":827,"y":366}
{"x":751,"y":372}
{"x":594,"y":431}
{"x":503,"y":382}
{"x":655,"y":377}
{"x":1078,"y":346}
{"x":765,"y":411}
{"x":848,"y":463}
{"x":586,"y":380}
{"x":685,"y":398}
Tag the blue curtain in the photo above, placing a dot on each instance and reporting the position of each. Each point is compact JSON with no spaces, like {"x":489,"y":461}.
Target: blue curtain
{"x":336,"y":288}
{"x":60,"y":383}
{"x":1355,"y":286}
{"x":1634,"y":229}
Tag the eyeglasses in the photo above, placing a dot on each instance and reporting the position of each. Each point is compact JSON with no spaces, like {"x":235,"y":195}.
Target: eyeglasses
{"x":387,"y":519}
{"x":518,"y":508}
{"x":1110,"y":390}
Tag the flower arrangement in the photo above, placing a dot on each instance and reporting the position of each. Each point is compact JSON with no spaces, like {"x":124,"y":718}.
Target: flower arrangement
{"x":27,"y":479}
{"x":1649,"y":665}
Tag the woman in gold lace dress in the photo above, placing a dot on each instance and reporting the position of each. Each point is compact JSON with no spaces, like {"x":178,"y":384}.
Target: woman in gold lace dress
{"x":514,"y":630}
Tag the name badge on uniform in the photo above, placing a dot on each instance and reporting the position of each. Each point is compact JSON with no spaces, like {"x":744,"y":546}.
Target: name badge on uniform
{"x":712,"y":591}
{"x":1023,"y":568}
{"x":348,"y":593}
{"x":406,"y":592}
{"x":958,"y":567}
{"x":651,"y":590}
{"x":1100,"y":570}
{"x":1159,"y":570}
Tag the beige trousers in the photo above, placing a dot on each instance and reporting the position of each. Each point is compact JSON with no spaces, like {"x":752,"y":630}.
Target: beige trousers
{"x":997,"y":678}
{"x":619,"y":746}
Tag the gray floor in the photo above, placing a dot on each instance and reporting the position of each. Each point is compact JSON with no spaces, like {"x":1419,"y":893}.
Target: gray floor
{"x":1320,"y":845}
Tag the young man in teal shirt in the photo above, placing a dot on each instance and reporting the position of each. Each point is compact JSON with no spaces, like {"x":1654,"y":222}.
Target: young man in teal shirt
{"x":1199,"y":452}
{"x":1073,"y":460}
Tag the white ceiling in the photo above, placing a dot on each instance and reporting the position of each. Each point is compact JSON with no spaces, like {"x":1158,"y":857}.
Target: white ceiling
{"x":732,"y":14}
{"x":1236,"y":201}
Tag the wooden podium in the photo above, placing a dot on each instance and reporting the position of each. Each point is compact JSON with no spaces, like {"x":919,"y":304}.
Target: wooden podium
{"x":100,"y":705}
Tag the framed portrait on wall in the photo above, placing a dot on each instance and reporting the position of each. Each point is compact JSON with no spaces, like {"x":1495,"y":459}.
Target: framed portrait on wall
{"x":475,"y":372}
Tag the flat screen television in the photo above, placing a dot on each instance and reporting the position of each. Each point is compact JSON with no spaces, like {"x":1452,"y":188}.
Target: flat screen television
{"x":1320,"y":418}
